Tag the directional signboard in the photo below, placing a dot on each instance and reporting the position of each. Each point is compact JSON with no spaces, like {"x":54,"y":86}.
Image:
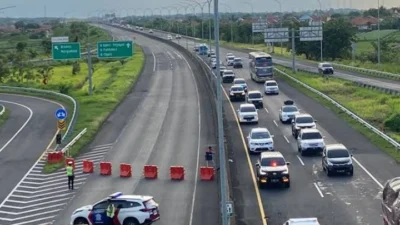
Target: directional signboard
{"x":60,"y":39}
{"x":61,"y":124}
{"x":277,"y":35}
{"x":115,"y":49}
{"x":66,"y":51}
{"x":259,"y":27}
{"x":61,"y":114}
{"x":311,"y":33}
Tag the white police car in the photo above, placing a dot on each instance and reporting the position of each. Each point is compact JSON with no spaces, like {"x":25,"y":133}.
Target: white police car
{"x":130,"y":210}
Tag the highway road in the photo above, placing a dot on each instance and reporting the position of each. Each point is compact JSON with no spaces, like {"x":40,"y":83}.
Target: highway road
{"x":334,"y":200}
{"x":23,"y":138}
{"x":168,"y":122}
{"x":312,"y":67}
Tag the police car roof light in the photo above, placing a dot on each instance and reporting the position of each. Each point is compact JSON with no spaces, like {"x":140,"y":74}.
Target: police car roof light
{"x":116,"y":195}
{"x":288,"y":102}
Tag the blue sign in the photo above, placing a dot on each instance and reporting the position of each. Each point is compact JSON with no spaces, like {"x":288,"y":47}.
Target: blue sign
{"x":61,"y":114}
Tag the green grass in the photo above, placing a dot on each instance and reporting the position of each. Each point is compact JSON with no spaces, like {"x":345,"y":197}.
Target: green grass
{"x":373,"y":106}
{"x":373,"y":35}
{"x":112,"y":81}
{"x":4,"y":117}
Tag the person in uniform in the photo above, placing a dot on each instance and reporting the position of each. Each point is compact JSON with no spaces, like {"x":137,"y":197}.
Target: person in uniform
{"x":110,"y":211}
{"x":70,"y":175}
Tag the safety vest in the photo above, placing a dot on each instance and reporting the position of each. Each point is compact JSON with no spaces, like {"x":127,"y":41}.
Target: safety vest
{"x":110,"y":210}
{"x":70,"y":171}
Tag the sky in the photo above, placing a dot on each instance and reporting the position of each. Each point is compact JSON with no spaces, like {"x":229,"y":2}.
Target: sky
{"x":83,"y":8}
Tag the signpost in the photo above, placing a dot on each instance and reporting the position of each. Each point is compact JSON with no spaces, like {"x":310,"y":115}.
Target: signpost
{"x":229,"y":208}
{"x":276,"y":35}
{"x":61,"y":124}
{"x":311,"y":33}
{"x":60,"y":39}
{"x":259,"y":27}
{"x":61,"y":115}
{"x":115,"y":49}
{"x":66,"y":51}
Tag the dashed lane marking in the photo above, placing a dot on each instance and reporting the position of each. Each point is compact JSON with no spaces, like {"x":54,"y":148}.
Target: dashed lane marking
{"x":38,"y":197}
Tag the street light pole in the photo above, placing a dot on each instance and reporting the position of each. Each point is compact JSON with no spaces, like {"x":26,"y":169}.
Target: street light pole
{"x":379,"y":38}
{"x":201,"y":5}
{"x":280,"y":9}
{"x":209,"y":23}
{"x":89,"y":58}
{"x":320,"y":19}
{"x":221,"y":146}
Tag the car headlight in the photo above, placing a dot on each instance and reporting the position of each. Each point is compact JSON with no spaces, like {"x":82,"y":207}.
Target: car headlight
{"x":243,"y":93}
{"x":231,"y":93}
{"x":329,"y":163}
{"x":304,"y":145}
{"x":297,"y":128}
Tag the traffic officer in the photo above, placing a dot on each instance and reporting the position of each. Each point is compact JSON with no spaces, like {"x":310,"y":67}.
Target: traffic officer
{"x":110,"y":212}
{"x":70,"y":175}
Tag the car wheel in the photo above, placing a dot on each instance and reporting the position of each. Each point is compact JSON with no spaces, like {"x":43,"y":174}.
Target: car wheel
{"x":81,"y":221}
{"x":328,"y":173}
{"x":351,"y":173}
{"x":298,"y":149}
{"x":130,"y":221}
{"x":260,"y":185}
{"x":302,"y":153}
{"x":287,"y":185}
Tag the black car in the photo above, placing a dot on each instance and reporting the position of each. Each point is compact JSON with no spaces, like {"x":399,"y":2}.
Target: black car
{"x":237,"y":63}
{"x":272,"y":168}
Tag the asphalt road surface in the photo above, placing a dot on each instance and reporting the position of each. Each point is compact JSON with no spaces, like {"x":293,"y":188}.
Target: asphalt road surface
{"x":334,"y":200}
{"x":169,"y":125}
{"x":312,"y":67}
{"x":24,"y":137}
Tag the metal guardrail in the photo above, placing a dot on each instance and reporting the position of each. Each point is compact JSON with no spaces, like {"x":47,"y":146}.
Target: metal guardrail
{"x":347,"y":111}
{"x":55,"y":94}
{"x":3,"y":109}
{"x":72,"y":142}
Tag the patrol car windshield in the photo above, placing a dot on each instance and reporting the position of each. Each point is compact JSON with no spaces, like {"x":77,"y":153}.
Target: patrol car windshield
{"x":240,"y":82}
{"x":237,"y":89}
{"x":326,"y":65}
{"x":289,"y":109}
{"x":273,"y":162}
{"x":338,"y":153}
{"x":238,"y":60}
{"x":310,"y":136}
{"x":228,"y":72}
{"x":271,"y":84}
{"x":260,"y":135}
{"x":231,"y":57}
{"x":305,"y":120}
{"x":248,"y":109}
{"x":255,"y":95}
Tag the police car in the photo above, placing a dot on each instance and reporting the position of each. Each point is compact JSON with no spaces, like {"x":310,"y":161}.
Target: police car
{"x":129,"y":210}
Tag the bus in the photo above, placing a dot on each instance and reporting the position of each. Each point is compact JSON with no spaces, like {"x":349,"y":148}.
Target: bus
{"x":203,"y":49}
{"x":261,"y":68}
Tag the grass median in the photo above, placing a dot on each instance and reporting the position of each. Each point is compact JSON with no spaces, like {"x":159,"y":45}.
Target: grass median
{"x":4,"y":117}
{"x":112,"y":81}
{"x":380,"y":109}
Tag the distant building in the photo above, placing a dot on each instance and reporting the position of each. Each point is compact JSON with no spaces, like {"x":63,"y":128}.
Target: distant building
{"x":305,"y":18}
{"x":364,"y":23}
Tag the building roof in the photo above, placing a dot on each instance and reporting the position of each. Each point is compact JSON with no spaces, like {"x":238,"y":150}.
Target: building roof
{"x":362,"y":21}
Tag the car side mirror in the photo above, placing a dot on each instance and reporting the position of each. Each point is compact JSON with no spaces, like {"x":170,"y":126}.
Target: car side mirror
{"x":288,"y":163}
{"x":315,"y":121}
{"x":257,"y":164}
{"x":272,"y":136}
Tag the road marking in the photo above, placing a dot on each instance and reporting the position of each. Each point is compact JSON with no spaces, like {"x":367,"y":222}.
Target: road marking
{"x":258,"y":196}
{"x":369,"y":174}
{"x":266,"y":110}
{"x":301,"y":161}
{"x":31,"y":221}
{"x":287,"y":140}
{"x":198,"y":143}
{"x":155,"y":62}
{"x":275,"y":123}
{"x":33,"y":215}
{"x":32,"y":210}
{"x":97,"y":147}
{"x":34,"y":205}
{"x":23,"y":125}
{"x":319,"y":191}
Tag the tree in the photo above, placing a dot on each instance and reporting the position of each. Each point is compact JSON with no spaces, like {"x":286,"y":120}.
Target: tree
{"x":19,"y":24}
{"x":45,"y":73}
{"x":4,"y":70}
{"x":21,"y":46}
{"x":338,"y":35}
{"x":21,"y":68}
{"x":32,"y":26}
{"x":46,"y":44}
{"x":32,"y":53}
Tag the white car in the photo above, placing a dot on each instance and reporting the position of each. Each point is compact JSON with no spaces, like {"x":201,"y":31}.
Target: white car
{"x":214,"y":64}
{"x":150,"y":31}
{"x":247,"y":113}
{"x":302,"y":221}
{"x":229,"y":60}
{"x":288,"y":111}
{"x":228,"y":55}
{"x":169,"y":37}
{"x":242,"y":82}
{"x":310,"y":141}
{"x":259,"y":140}
{"x":237,"y":93}
{"x":302,"y":121}
{"x":271,"y":87}
{"x":131,"y":209}
{"x":178,"y":36}
{"x":255,"y":98}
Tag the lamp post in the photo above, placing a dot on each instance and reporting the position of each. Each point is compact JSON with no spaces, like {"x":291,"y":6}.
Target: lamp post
{"x":379,"y":38}
{"x":230,"y":9}
{"x":209,"y":23}
{"x":280,"y":21}
{"x":320,"y":19}
{"x":252,"y":16}
{"x":201,"y":5}
{"x":89,"y":57}
{"x":177,"y":13}
{"x":134,"y":14}
{"x":169,"y":13}
{"x":185,"y":7}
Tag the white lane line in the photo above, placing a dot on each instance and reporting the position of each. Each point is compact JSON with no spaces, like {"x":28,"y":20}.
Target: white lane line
{"x":266,"y":110}
{"x":155,"y":62}
{"x":198,"y":146}
{"x":30,"y":216}
{"x":23,"y":125}
{"x":275,"y":123}
{"x":301,"y":161}
{"x":319,"y":190}
{"x":287,"y":140}
{"x":369,"y":174}
{"x":31,"y":221}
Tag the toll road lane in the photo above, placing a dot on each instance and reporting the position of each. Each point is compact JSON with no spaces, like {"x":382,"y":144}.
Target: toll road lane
{"x":163,"y":131}
{"x":23,"y":141}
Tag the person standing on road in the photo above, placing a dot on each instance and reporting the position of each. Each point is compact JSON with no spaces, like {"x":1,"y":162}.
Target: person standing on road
{"x":70,"y":175}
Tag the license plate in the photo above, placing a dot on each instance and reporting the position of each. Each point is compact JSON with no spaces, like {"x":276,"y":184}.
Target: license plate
{"x":274,"y":180}
{"x":340,"y":171}
{"x":237,"y":95}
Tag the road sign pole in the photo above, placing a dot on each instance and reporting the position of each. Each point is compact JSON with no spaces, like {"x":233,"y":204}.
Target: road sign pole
{"x":293,"y":51}
{"x":89,"y":58}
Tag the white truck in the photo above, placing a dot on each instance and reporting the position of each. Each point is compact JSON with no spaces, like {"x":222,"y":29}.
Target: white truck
{"x":391,"y":202}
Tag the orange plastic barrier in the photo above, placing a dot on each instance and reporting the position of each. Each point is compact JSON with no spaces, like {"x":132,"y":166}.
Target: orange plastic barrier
{"x":54,"y":157}
{"x":67,"y":160}
{"x":150,"y":171}
{"x":125,"y":170}
{"x":177,"y":172}
{"x":206,"y":173}
{"x":88,"y":166}
{"x":105,"y":168}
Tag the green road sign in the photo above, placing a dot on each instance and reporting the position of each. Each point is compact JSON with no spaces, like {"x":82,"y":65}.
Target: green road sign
{"x":66,"y":51}
{"x":114,"y":49}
